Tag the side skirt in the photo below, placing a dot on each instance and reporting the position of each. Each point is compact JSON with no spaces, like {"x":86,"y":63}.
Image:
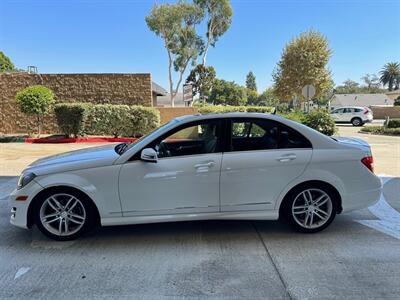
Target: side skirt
{"x":247,"y":215}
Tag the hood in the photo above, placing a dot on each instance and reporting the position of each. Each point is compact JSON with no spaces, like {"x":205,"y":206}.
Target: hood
{"x":355,"y":142}
{"x":78,"y":159}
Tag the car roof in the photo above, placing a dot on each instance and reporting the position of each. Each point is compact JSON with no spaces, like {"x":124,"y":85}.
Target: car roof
{"x":196,"y":117}
{"x":361,"y":107}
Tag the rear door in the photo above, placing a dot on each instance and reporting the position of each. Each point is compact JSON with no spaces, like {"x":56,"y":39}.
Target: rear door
{"x":348,"y":114}
{"x":263,"y":157}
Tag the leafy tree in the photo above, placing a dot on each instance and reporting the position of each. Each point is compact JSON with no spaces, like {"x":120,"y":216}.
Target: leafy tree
{"x":304,"y":61}
{"x":349,"y":87}
{"x":371,"y":81}
{"x":5,"y":63}
{"x":202,"y":79}
{"x":252,"y":97}
{"x":390,"y":75}
{"x":267,"y":98}
{"x":35,"y":100}
{"x":175,"y":24}
{"x":251,"y":81}
{"x":227,"y":93}
{"x":219,"y":19}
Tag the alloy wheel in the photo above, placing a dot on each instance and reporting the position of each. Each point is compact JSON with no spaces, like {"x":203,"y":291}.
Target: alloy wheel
{"x":62,"y":214}
{"x":312,"y":208}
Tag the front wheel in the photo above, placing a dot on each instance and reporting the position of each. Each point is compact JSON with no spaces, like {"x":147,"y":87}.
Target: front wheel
{"x":310,"y":209}
{"x":63,"y":215}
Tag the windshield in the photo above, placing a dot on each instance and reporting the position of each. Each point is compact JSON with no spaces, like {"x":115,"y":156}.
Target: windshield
{"x":122,"y":148}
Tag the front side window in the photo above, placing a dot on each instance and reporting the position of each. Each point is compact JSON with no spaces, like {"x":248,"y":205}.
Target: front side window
{"x":251,"y":135}
{"x":199,"y":138}
{"x":338,"y":111}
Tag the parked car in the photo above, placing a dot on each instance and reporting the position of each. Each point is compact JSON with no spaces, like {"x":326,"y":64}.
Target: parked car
{"x":357,"y":116}
{"x":242,"y":166}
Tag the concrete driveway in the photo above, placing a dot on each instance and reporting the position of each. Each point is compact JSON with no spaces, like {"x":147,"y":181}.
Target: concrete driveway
{"x":357,"y":257}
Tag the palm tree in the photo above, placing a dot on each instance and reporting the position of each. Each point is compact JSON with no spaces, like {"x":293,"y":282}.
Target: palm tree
{"x":390,"y":75}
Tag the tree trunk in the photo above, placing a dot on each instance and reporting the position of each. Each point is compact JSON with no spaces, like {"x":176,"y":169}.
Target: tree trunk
{"x":205,"y":52}
{"x":39,"y":124}
{"x":171,"y":84}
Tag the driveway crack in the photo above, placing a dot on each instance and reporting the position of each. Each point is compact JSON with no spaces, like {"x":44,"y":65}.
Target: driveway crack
{"x":285,"y":285}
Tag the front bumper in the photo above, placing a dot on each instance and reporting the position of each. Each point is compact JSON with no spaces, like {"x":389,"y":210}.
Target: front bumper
{"x":19,"y":209}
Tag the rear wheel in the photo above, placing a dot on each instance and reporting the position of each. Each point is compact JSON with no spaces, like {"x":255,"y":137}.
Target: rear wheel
{"x":356,"y":122}
{"x":63,"y":215}
{"x":310,"y":208}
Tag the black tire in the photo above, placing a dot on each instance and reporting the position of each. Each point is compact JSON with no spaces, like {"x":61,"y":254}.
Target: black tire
{"x":357,"y":122}
{"x":287,"y":210}
{"x":84,"y":206}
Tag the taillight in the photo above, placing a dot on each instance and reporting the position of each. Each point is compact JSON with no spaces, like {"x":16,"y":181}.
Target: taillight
{"x":368,"y":161}
{"x":366,"y":111}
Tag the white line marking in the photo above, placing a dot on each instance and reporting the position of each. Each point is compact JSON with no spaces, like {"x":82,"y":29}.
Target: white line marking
{"x":21,"y":271}
{"x":389,"y":218}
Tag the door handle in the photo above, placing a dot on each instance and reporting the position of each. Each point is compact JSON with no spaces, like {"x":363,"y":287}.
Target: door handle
{"x":288,"y":157}
{"x":205,"y":165}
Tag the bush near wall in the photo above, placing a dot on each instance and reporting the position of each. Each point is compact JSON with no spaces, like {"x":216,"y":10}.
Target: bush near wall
{"x":71,"y":117}
{"x":106,"y":119}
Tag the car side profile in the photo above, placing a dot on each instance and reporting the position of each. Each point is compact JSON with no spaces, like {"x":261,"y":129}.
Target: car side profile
{"x":355,"y":115}
{"x":237,"y":166}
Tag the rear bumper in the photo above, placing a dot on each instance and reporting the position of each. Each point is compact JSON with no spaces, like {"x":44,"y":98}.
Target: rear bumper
{"x":360,"y":200}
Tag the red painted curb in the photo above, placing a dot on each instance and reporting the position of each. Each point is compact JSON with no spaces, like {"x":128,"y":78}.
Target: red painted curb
{"x":79,"y":140}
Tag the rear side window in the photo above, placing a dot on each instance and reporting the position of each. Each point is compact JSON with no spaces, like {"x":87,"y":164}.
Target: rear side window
{"x":260,"y":134}
{"x":358,"y":110}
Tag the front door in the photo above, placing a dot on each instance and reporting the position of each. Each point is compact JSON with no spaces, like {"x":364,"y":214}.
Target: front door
{"x":185,"y":178}
{"x":264,"y":157}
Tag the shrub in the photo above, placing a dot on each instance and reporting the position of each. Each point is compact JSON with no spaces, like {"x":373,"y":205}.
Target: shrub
{"x":260,"y":109}
{"x":320,"y":120}
{"x":143,"y":120}
{"x":71,"y":117}
{"x":393,"y":123}
{"x":35,"y":100}
{"x":212,"y":109}
{"x":381,"y":130}
{"x":397,"y":101}
{"x":122,"y":120}
{"x":296,"y":116}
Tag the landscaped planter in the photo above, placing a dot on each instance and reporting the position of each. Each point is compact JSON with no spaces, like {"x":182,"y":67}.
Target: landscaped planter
{"x":78,"y":140}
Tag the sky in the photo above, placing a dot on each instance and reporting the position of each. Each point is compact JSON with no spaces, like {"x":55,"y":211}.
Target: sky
{"x":105,"y":36}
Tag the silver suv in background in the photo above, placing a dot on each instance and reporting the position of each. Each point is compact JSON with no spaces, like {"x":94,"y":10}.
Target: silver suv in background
{"x":355,"y":115}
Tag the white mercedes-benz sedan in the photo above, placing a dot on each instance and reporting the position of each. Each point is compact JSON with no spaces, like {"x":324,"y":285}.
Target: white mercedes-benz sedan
{"x":242,"y":166}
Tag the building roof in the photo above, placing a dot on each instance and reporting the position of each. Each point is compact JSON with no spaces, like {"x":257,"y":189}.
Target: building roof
{"x":361,"y":100}
{"x":158,"y":89}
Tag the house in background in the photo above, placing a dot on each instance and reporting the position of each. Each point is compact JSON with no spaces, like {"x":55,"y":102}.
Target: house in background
{"x":367,"y":100}
{"x":157,"y":92}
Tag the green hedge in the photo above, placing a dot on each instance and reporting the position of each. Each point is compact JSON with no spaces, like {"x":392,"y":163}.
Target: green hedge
{"x":381,"y":130}
{"x":319,"y":120}
{"x":211,"y":109}
{"x":393,"y":123}
{"x":106,"y":119}
{"x":71,"y":117}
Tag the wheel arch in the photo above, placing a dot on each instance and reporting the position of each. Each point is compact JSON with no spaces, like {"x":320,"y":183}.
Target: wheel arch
{"x":314,"y":183}
{"x":30,"y":217}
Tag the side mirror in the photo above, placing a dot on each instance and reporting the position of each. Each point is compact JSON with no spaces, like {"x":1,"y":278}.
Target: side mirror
{"x":149,"y":155}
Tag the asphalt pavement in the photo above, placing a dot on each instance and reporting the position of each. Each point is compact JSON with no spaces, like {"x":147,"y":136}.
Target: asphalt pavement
{"x":357,"y":257}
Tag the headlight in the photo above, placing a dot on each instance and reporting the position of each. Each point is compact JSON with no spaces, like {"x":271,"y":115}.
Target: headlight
{"x":24,"y":179}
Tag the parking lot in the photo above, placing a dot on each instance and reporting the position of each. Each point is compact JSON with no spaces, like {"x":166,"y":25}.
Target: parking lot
{"x":357,"y":257}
